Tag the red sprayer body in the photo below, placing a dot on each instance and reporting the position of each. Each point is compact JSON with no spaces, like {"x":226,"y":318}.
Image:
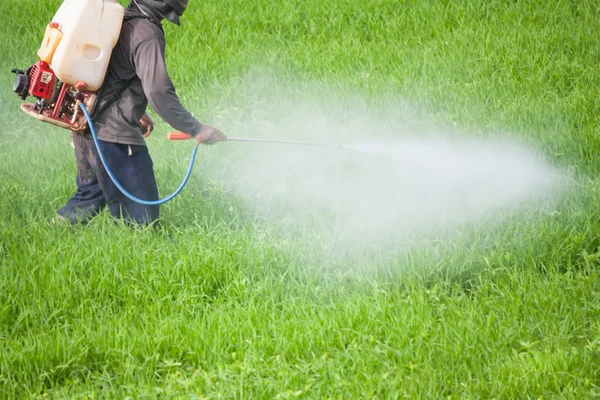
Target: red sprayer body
{"x":42,"y":80}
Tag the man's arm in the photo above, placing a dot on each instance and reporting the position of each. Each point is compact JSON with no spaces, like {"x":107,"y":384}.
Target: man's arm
{"x":149,"y":63}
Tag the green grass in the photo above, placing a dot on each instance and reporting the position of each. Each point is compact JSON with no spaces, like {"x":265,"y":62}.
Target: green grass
{"x":221,"y":303}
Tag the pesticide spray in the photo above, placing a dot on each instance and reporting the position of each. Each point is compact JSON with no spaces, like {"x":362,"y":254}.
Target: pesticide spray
{"x":395,"y":176}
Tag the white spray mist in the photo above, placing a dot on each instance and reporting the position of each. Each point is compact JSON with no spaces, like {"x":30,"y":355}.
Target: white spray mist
{"x":393,"y":177}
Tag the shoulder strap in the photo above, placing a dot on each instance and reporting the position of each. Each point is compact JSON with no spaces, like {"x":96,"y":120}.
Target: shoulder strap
{"x":117,"y":93}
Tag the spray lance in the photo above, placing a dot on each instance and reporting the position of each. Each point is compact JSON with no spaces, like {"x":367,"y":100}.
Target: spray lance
{"x":73,"y":60}
{"x":185,"y":136}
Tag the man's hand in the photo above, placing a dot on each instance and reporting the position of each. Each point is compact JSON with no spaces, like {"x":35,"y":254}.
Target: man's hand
{"x":209,"y":135}
{"x":147,"y":125}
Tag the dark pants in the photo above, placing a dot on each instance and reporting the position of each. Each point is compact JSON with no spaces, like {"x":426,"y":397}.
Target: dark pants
{"x":131,"y":165}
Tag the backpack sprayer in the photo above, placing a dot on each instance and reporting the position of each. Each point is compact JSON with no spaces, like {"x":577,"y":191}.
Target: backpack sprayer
{"x":74,"y":58}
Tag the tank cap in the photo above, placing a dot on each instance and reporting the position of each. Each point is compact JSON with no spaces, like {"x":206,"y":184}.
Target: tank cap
{"x":54,"y":25}
{"x":81,"y":86}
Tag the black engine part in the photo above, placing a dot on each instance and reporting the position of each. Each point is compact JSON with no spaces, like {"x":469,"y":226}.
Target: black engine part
{"x":21,"y":83}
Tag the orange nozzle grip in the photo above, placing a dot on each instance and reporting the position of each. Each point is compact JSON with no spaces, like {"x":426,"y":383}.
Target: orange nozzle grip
{"x":178,"y":136}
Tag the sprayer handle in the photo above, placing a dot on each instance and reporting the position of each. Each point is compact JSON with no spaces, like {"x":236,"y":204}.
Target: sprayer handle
{"x":178,"y":136}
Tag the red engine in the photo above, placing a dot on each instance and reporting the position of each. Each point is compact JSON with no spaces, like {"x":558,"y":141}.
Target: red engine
{"x":42,"y":80}
{"x":56,"y":102}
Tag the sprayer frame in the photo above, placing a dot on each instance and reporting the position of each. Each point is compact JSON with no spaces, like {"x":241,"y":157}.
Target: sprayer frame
{"x":76,"y":123}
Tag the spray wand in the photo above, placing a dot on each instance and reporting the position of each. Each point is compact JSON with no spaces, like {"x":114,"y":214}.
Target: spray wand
{"x":185,"y":136}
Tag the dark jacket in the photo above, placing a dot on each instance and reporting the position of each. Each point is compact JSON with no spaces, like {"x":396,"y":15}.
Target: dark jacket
{"x":137,"y":75}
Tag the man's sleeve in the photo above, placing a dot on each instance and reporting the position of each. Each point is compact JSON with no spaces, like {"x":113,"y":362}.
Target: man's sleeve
{"x":149,"y":62}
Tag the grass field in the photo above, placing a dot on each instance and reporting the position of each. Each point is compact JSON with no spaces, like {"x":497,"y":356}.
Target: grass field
{"x":220,"y":302}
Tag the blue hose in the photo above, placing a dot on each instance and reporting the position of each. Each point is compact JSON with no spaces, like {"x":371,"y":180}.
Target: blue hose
{"x":118,"y":185}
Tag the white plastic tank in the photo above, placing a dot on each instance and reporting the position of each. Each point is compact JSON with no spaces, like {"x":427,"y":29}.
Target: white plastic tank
{"x":90,"y":32}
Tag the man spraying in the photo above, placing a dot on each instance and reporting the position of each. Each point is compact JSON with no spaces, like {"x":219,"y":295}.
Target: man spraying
{"x":136,"y":76}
